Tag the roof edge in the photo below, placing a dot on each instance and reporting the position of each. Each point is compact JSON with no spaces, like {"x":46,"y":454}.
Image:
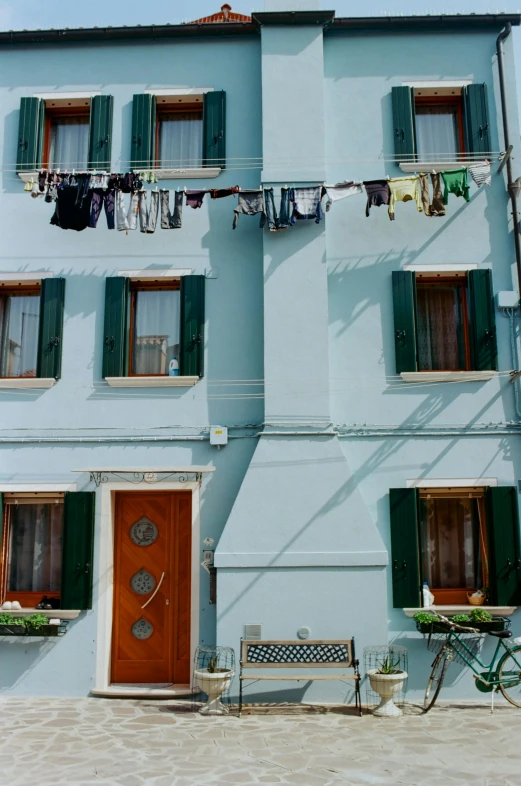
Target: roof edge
{"x":438,"y":22}
{"x":289,"y":18}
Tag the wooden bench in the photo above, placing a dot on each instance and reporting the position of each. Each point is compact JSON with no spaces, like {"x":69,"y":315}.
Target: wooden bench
{"x":305,"y":654}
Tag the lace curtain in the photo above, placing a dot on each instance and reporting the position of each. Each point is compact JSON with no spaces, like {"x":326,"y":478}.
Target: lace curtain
{"x":19,"y":317}
{"x":181,"y":140}
{"x":35,"y":547}
{"x":156,"y":331}
{"x":69,"y":147}
{"x":440,"y":329}
{"x":436,"y":132}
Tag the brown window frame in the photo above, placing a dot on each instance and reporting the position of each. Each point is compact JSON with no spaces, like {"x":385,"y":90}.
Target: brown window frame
{"x":20,"y":290}
{"x":51,"y":115}
{"x":462,"y":282}
{"x":170,"y":108}
{"x":451,"y":101}
{"x":144,"y":286}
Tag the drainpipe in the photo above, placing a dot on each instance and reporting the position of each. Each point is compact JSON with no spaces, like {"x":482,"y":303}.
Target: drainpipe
{"x":506,"y":133}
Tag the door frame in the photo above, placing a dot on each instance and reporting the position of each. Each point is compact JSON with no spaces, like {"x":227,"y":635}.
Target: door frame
{"x":105,"y":586}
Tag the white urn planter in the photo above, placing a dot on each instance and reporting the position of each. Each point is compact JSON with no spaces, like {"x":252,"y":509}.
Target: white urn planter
{"x":214,"y":683}
{"x":387,"y":686}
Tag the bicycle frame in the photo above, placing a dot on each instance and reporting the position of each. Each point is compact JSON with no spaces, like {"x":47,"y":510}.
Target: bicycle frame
{"x":490,"y":677}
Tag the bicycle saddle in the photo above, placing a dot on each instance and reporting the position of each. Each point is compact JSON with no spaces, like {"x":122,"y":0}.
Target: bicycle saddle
{"x":500,"y":634}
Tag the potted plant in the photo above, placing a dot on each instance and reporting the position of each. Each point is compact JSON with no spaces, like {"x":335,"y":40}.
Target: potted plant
{"x":479,"y":618}
{"x":213,"y":681}
{"x":387,"y":681}
{"x":32,"y":625}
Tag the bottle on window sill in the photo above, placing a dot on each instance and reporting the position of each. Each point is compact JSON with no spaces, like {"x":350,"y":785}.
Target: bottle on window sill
{"x":427,"y":596}
{"x":173,"y":368}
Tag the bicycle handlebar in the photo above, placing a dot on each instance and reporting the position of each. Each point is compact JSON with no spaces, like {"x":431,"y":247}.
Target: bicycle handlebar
{"x":455,"y":626}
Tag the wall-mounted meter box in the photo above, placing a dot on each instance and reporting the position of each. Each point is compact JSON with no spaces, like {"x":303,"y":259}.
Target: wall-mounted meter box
{"x":218,"y":435}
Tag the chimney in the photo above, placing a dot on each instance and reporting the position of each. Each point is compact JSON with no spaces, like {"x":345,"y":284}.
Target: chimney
{"x":226,"y":10}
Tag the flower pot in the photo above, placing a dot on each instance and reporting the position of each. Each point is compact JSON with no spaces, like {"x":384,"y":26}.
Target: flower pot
{"x":387,"y":686}
{"x":213,"y":684}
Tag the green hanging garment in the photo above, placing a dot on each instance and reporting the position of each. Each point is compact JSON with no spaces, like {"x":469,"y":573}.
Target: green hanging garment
{"x":455,"y":181}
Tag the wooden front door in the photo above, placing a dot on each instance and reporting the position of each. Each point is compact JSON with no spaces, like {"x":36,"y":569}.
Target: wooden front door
{"x":152,"y":574}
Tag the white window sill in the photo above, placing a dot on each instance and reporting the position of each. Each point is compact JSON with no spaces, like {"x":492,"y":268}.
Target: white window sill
{"x":151,"y":382}
{"x":436,"y":166}
{"x":447,"y":376}
{"x":22,"y":383}
{"x":184,"y":174}
{"x":59,"y":614}
{"x":449,"y":611}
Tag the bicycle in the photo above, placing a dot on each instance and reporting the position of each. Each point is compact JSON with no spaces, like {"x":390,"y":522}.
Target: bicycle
{"x":503,"y":672}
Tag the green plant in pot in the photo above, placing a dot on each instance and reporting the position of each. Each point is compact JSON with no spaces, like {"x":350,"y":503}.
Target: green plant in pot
{"x":213,"y":681}
{"x":387,"y":680}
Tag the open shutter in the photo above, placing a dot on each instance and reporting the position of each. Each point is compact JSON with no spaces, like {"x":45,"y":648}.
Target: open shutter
{"x":115,"y":360}
{"x":482,"y":321}
{"x":405,"y":549}
{"x":77,"y":550}
{"x":50,"y":333}
{"x":214,"y":129}
{"x":404,"y":305}
{"x":1,"y":520}
{"x":403,"y":123}
{"x":143,"y":147}
{"x":30,"y":134}
{"x":504,"y":550}
{"x":192,"y":326}
{"x":100,"y":132}
{"x":476,"y":119}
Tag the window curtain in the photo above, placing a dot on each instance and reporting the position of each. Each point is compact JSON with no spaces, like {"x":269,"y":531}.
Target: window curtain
{"x":35,"y":548}
{"x":181,"y":140}
{"x":69,"y":143}
{"x":439,"y":329}
{"x":156,"y":331}
{"x":436,"y":132}
{"x":19,"y":335}
{"x":451,"y":543}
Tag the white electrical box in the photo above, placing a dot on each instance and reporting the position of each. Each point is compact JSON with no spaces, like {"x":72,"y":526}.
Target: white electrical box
{"x":507,"y":299}
{"x":218,"y":435}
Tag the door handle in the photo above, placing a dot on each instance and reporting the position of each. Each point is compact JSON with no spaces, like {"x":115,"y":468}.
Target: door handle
{"x":151,"y":598}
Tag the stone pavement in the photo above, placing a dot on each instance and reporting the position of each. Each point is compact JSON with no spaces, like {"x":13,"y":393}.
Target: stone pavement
{"x":80,"y":742}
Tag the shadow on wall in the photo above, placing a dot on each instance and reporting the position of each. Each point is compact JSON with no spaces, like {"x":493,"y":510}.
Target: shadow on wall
{"x":19,"y":656}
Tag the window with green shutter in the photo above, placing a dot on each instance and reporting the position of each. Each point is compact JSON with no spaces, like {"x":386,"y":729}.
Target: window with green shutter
{"x":444,"y":322}
{"x":77,"y":550}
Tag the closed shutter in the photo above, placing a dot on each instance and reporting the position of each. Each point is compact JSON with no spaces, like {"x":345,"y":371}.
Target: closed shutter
{"x":100,"y":132}
{"x":77,"y":550}
{"x":143,"y":146}
{"x":50,"y":333}
{"x":404,"y":306}
{"x":115,"y":342}
{"x":30,"y":134}
{"x":504,"y":551}
{"x":192,"y":326}
{"x":214,"y":129}
{"x":476,"y":119}
{"x":405,"y":549}
{"x":404,"y":123}
{"x":482,"y":321}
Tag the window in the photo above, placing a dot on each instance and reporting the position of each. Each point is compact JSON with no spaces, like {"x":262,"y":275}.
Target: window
{"x":65,"y":133}
{"x":179,"y":132}
{"x":444,"y":322}
{"x":440,"y":124}
{"x":155,"y":325}
{"x":19,"y":318}
{"x":154,"y":328}
{"x":458,"y":540}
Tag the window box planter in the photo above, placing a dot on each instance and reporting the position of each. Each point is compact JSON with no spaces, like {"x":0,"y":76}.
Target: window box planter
{"x":495,"y":625}
{"x":24,"y":630}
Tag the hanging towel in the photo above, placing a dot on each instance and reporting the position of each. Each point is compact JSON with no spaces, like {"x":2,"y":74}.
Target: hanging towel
{"x":220,"y":193}
{"x":404,"y":189}
{"x":436,"y":207}
{"x":148,"y":218}
{"x":250,"y":203}
{"x":455,"y":181}
{"x":480,"y":174}
{"x":341,"y":191}
{"x":194,"y":198}
{"x":306,"y":204}
{"x":171,"y":220}
{"x":377,"y":194}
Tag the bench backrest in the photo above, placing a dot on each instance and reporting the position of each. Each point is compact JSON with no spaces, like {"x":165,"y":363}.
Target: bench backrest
{"x":298,"y":654}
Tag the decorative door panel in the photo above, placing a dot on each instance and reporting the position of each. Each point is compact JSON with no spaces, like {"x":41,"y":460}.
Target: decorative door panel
{"x":151,"y":627}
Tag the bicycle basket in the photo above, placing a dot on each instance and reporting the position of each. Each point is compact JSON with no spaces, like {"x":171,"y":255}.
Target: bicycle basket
{"x":437,"y":638}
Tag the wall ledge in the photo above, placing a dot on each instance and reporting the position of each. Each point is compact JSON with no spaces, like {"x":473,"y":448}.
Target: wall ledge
{"x":449,"y":611}
{"x":436,"y":166}
{"x":22,"y":383}
{"x":61,"y":614}
{"x":184,"y":174}
{"x":301,"y":559}
{"x":447,"y":376}
{"x":151,"y":382}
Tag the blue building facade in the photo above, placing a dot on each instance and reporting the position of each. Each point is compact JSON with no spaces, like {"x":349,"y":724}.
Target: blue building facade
{"x":288,"y":429}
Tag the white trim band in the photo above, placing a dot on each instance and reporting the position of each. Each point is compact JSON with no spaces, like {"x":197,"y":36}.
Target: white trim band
{"x":447,"y":376}
{"x":23,"y":383}
{"x":151,"y":382}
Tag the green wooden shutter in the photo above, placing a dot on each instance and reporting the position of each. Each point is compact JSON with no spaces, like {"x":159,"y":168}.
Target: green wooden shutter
{"x":143,"y":146}
{"x":77,"y":550}
{"x":504,"y":550}
{"x":115,"y":337}
{"x":404,"y":306}
{"x":30,"y":134}
{"x":100,"y":132}
{"x":405,"y":548}
{"x":404,"y":123}
{"x":1,"y":518}
{"x":214,"y":129}
{"x":192,"y":326}
{"x":482,"y":321}
{"x":50,"y":333}
{"x":476,"y":118}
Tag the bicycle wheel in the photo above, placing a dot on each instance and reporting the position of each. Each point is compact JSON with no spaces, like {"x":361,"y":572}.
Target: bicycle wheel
{"x":509,"y":672}
{"x":439,"y":667}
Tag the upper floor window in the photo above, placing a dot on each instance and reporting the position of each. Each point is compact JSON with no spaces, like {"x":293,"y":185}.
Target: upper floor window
{"x":155,"y":327}
{"x":66,"y":141}
{"x":442,"y":323}
{"x":19,"y":319}
{"x":439,"y":127}
{"x":179,"y":133}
